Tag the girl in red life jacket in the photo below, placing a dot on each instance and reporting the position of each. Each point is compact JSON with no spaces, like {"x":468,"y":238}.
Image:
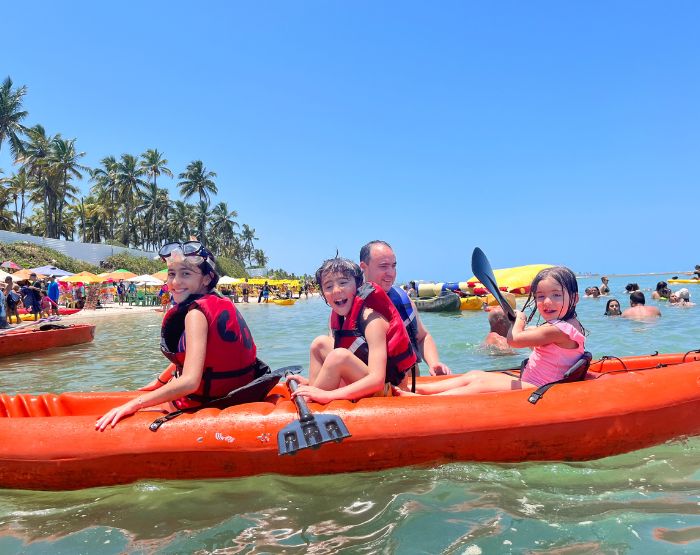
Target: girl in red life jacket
{"x":191,"y":280}
{"x":338,"y":373}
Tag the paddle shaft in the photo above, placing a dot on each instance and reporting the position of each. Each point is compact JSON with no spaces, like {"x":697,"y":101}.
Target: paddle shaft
{"x":483,"y":272}
{"x":304,"y":413}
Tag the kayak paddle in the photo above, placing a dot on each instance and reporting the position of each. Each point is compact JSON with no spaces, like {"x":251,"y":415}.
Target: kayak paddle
{"x":310,"y":430}
{"x":483,"y":272}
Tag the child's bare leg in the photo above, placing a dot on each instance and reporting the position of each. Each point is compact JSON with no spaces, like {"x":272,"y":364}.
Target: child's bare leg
{"x":487,"y":382}
{"x":320,"y":347}
{"x":439,"y":386}
{"x":339,"y":368}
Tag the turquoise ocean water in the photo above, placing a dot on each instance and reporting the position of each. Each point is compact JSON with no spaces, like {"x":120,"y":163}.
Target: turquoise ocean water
{"x":642,"y":502}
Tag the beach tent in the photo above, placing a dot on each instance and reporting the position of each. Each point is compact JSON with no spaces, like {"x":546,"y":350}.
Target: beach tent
{"x":145,"y":279}
{"x":3,"y":275}
{"x":226,"y":280}
{"x":51,"y":271}
{"x":10,"y":265}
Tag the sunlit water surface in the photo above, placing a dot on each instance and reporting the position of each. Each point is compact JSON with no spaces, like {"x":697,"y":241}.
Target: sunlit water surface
{"x":641,"y":502}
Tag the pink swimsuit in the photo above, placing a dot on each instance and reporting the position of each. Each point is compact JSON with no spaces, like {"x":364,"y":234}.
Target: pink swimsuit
{"x":548,"y":363}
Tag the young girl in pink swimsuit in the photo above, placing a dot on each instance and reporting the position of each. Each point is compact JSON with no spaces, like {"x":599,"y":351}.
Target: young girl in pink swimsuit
{"x":556,"y":344}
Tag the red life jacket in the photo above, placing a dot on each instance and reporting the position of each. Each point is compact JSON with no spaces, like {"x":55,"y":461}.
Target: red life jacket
{"x":347,"y":332}
{"x":230,"y":361}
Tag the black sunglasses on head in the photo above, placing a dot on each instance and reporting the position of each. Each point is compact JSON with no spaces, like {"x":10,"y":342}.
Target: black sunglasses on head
{"x":188,"y":248}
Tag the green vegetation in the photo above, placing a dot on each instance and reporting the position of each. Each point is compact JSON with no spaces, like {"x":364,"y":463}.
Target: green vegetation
{"x":28,"y":255}
{"x":125,"y":206}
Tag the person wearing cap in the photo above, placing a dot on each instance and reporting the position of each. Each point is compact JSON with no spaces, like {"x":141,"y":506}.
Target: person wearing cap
{"x":31,"y":294}
{"x":682,"y":296}
{"x":206,"y":339}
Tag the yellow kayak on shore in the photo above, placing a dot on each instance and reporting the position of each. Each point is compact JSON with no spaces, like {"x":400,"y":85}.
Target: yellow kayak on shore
{"x":684,"y":281}
{"x":284,"y":302}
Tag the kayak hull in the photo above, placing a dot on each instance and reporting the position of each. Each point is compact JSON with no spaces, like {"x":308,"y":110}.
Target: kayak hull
{"x":28,"y":340}
{"x":284,"y":302}
{"x":48,"y":442}
{"x":446,"y":302}
{"x":62,"y":311}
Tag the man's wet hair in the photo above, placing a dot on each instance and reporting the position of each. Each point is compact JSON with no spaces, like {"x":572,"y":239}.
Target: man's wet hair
{"x":365,"y":251}
{"x":637,"y":297}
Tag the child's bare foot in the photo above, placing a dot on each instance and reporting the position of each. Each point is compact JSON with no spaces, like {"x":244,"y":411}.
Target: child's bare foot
{"x":403,"y":393}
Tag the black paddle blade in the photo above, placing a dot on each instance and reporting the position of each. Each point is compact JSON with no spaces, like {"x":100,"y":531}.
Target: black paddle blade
{"x":320,"y":429}
{"x":311,"y":430}
{"x":483,"y":272}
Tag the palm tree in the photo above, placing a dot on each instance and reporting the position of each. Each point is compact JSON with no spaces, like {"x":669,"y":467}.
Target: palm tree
{"x":248,"y":236}
{"x":153,"y":207}
{"x":260,"y":259}
{"x":105,"y":187}
{"x":11,"y":116}
{"x":201,"y":209}
{"x":223,"y":224}
{"x":153,"y":163}
{"x":180,"y":220}
{"x":64,"y":160}
{"x":18,"y":187}
{"x":197,"y":180}
{"x":129,"y":185}
{"x":35,"y":155}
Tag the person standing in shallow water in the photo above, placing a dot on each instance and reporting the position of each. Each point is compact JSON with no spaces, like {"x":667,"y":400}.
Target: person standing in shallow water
{"x":638,"y":309}
{"x":378,"y":263}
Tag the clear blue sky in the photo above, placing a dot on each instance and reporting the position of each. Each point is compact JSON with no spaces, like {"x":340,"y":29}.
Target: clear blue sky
{"x":543,"y":132}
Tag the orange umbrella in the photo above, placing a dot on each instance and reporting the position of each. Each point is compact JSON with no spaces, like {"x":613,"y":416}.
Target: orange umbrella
{"x":24,"y":274}
{"x":162,"y":275}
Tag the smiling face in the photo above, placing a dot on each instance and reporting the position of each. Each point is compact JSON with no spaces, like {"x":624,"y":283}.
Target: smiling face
{"x":381,"y":268}
{"x":552,"y":299}
{"x":339,"y":290}
{"x":185,"y":280}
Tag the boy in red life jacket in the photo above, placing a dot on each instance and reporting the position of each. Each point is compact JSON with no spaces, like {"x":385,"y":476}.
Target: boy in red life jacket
{"x":368,"y":348}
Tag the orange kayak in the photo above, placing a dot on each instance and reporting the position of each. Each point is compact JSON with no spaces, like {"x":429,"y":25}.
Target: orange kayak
{"x":27,"y":340}
{"x":48,"y":442}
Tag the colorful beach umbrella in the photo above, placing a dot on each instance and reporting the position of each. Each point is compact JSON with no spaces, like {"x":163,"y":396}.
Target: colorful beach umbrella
{"x":25,"y":274}
{"x":162,"y":275}
{"x":9,"y":264}
{"x":82,"y":277}
{"x":145,"y":279}
{"x":51,"y":271}
{"x":120,"y":274}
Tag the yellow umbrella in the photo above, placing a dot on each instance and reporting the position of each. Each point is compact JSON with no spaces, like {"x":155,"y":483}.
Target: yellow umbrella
{"x":119,"y":274}
{"x":83,"y":277}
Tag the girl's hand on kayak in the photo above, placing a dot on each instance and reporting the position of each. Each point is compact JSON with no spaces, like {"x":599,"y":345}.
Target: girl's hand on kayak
{"x":311,"y":393}
{"x":116,"y":414}
{"x":301,"y":380}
